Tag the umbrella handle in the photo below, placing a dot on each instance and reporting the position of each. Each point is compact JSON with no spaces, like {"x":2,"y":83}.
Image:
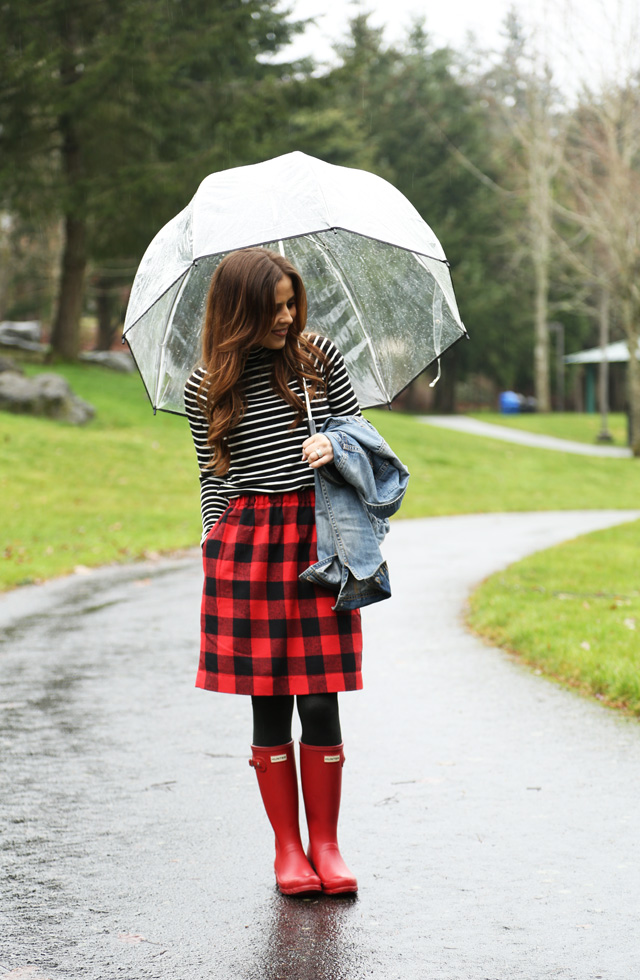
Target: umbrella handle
{"x":312,"y":424}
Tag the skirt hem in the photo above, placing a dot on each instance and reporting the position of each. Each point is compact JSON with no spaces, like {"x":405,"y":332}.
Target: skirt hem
{"x":261,"y":690}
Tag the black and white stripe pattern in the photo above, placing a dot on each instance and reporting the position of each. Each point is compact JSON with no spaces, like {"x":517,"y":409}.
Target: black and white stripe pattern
{"x":266,"y":453}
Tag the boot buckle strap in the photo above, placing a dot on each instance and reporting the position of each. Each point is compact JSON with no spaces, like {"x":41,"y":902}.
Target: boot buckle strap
{"x":258,"y":764}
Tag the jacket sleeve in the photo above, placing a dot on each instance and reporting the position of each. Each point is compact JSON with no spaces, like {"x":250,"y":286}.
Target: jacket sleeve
{"x":213,"y":501}
{"x":340,"y":393}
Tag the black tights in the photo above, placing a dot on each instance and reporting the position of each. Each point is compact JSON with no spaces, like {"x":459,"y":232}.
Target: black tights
{"x":318,"y":713}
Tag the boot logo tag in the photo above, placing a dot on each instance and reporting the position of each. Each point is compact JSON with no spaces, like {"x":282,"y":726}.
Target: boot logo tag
{"x":332,"y":758}
{"x":279,"y":758}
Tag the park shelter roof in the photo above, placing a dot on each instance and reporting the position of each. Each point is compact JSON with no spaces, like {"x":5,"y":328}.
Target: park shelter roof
{"x":615,"y":353}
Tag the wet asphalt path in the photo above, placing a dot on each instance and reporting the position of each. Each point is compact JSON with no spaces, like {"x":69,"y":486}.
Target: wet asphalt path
{"x":491,"y":817}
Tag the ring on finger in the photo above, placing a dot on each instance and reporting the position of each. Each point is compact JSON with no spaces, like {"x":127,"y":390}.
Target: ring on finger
{"x":319,"y":454}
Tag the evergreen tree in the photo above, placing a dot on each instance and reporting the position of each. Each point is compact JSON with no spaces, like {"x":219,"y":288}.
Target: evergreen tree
{"x":111,"y":112}
{"x":426,"y":130}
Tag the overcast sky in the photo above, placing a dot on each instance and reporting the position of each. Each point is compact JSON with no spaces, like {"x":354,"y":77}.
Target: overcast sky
{"x":576,"y":35}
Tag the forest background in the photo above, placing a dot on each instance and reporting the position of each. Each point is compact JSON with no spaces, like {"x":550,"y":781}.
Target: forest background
{"x":113,"y":111}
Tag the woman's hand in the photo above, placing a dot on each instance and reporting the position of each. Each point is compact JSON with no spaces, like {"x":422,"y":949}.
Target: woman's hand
{"x":317,"y":451}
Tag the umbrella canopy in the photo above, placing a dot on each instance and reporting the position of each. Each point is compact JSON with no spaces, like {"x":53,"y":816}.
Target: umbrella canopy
{"x":377,"y":279}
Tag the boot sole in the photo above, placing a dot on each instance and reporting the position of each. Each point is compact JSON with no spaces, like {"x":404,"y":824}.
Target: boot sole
{"x":341,"y":890}
{"x":297,"y":890}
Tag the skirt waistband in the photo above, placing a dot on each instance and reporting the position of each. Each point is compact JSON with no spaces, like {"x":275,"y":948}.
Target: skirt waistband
{"x":299,"y":498}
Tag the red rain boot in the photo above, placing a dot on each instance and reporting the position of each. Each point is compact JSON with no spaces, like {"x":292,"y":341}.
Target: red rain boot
{"x":276,"y":771}
{"x":321,"y":773}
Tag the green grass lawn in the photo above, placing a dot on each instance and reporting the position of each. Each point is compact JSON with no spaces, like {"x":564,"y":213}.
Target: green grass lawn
{"x":578,"y":426}
{"x":573,"y":613}
{"x":126,"y":484}
{"x":116,"y":489}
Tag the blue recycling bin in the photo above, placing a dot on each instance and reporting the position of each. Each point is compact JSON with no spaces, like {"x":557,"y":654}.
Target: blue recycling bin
{"x":509,"y":403}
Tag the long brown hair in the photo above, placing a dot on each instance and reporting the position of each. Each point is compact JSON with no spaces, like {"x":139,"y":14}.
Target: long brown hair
{"x":241,"y":308}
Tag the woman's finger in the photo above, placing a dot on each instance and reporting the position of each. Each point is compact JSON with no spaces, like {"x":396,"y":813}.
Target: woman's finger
{"x":317,"y":450}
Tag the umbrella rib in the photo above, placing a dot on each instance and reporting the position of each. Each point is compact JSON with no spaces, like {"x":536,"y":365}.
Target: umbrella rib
{"x":349,"y":294}
{"x":422,"y":261}
{"x":163,"y":346}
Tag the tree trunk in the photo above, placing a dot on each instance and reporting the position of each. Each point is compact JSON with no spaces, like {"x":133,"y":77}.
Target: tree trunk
{"x":5,"y":262}
{"x":541,"y":346}
{"x":603,"y":370}
{"x":630,"y":324}
{"x":65,"y":334}
{"x":634,"y":403}
{"x":540,"y":216}
{"x":445,"y":389}
{"x":107,"y":324}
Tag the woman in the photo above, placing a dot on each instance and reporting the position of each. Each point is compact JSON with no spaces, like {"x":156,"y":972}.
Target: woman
{"x":265,"y":633}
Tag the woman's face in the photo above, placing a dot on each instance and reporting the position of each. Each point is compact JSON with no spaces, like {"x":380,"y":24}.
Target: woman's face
{"x":285,"y":315}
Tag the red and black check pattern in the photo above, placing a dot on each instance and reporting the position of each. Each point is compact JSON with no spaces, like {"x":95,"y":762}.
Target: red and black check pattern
{"x":263,"y":631}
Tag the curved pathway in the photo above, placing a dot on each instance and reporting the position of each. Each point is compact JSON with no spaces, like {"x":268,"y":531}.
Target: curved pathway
{"x":475,"y":427}
{"x":491,"y":816}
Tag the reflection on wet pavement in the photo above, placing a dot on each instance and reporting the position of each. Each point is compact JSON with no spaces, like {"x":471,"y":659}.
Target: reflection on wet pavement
{"x":307,"y":939}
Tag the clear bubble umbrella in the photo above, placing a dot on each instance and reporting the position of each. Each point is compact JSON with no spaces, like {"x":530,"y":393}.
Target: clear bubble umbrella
{"x":377,"y":280}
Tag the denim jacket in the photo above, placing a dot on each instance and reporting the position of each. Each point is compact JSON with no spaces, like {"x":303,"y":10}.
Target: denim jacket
{"x":355,"y":496}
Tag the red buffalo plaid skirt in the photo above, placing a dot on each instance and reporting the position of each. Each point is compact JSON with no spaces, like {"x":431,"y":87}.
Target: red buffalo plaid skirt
{"x":263,"y":630}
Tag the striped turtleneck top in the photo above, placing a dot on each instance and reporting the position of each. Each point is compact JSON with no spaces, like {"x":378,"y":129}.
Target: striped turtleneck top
{"x":266,"y":454}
